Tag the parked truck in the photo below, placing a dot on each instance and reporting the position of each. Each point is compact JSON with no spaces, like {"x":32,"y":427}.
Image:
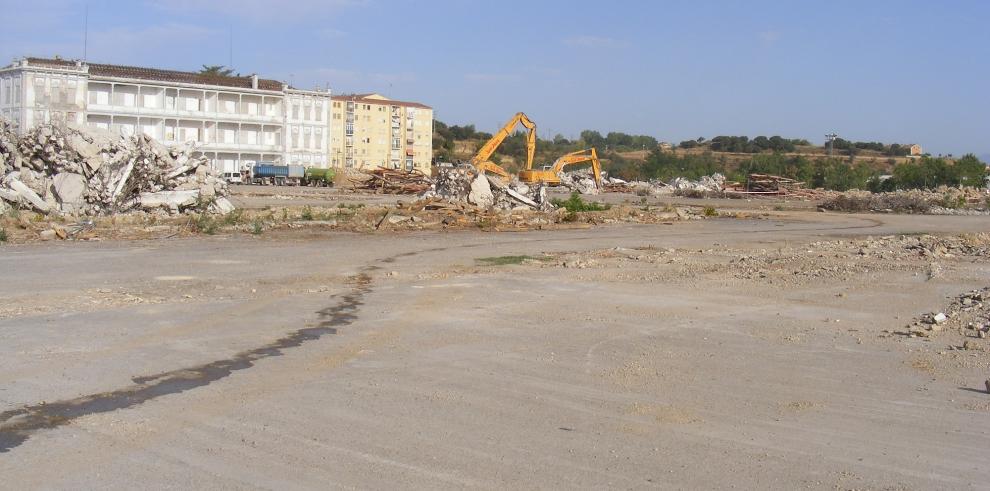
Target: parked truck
{"x":317,"y":177}
{"x":265,"y":173}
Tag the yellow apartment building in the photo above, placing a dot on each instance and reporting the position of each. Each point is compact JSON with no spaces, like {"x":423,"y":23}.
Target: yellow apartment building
{"x":371,"y":130}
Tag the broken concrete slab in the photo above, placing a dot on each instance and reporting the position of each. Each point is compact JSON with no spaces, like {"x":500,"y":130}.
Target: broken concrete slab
{"x":481,"y":192}
{"x":26,"y":193}
{"x":222,"y":206}
{"x":69,"y":189}
{"x":168,"y":199}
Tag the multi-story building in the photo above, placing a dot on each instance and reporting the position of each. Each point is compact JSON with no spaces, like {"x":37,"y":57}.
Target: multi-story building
{"x":371,"y":130}
{"x":232,"y":120}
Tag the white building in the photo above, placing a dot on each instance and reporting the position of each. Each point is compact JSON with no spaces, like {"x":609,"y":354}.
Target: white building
{"x":232,"y":120}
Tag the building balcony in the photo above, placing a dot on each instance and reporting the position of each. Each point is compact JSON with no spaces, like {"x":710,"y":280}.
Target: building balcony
{"x":236,"y":147}
{"x":182,"y":114}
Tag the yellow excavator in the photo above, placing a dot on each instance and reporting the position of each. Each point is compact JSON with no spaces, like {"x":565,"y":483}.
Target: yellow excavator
{"x":481,"y":160}
{"x":551,"y":175}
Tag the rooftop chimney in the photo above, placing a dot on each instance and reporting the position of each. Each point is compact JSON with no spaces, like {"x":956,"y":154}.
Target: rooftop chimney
{"x":254,"y":81}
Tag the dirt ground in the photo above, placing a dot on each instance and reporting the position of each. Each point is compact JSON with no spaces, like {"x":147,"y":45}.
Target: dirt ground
{"x":779,"y":351}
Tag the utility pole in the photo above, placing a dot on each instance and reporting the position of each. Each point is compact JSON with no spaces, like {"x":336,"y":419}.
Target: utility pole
{"x":830,"y":138}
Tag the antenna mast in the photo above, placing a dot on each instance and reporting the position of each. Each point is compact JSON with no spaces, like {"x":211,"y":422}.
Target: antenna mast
{"x":830,"y":138}
{"x":86,"y":34}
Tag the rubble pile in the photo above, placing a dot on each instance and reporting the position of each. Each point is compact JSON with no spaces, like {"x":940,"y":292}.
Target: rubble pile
{"x":681,"y":186}
{"x":941,"y":201}
{"x":8,"y":148}
{"x":897,"y":247}
{"x":467,"y":185}
{"x":395,"y":181}
{"x":583,"y":181}
{"x":714,"y":183}
{"x":968,"y":314}
{"x":84,"y":171}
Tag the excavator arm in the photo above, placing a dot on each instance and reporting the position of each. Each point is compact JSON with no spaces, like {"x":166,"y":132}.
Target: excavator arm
{"x":552,"y":175}
{"x":481,"y":160}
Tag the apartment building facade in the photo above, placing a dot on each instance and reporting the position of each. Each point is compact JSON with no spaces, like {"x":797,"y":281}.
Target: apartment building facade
{"x":371,"y":130}
{"x":234,"y":121}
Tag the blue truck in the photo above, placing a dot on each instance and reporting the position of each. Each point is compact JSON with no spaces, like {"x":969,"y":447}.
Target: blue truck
{"x":267,"y":173}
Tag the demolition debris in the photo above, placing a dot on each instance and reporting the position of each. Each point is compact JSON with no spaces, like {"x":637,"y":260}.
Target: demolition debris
{"x":968,"y":313}
{"x":392,"y":181}
{"x":467,"y":185}
{"x":69,"y":170}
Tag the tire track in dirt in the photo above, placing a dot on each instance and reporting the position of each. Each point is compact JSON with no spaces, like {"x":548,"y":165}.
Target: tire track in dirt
{"x":17,"y":425}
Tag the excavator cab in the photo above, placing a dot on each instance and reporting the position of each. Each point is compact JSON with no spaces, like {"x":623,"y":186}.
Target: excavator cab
{"x":552,"y":175}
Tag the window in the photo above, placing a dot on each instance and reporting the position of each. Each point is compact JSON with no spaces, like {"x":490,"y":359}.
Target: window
{"x":295,"y":111}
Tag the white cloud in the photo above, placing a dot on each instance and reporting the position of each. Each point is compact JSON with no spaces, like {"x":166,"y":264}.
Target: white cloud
{"x":593,"y":42}
{"x":259,"y":10}
{"x":769,"y":37}
{"x":330,"y":33}
{"x":138,"y":45}
{"x":343,"y":80}
{"x":491,"y":77}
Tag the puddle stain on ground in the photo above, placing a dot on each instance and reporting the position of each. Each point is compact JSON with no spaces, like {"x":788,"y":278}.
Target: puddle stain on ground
{"x":17,"y":425}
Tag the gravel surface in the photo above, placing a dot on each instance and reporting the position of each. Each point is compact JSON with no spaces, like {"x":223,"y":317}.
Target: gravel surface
{"x":714,"y":353}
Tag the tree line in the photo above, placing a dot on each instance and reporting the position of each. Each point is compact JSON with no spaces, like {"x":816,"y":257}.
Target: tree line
{"x":827,"y":173}
{"x":769,"y":157}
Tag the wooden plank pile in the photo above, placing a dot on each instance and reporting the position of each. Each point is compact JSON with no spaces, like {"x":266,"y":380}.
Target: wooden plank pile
{"x":395,"y":181}
{"x":771,"y":185}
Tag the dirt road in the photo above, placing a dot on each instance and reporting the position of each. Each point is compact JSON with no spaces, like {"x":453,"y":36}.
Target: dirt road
{"x":706,"y":354}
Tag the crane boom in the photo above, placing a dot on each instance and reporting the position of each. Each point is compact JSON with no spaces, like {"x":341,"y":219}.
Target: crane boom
{"x":481,"y":159}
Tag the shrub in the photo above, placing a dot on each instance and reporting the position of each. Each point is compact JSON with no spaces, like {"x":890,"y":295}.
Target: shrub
{"x":205,"y":224}
{"x":575,"y":204}
{"x":710,"y":211}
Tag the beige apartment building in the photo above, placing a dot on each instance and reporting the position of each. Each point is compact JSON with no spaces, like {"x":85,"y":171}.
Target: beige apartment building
{"x":371,"y":130}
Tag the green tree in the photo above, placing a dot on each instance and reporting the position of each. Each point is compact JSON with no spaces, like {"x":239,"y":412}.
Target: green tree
{"x":216,"y":71}
{"x":970,"y":171}
{"x":593,"y":138}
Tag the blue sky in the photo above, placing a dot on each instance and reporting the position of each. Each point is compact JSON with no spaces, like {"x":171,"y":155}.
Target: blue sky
{"x":905,"y":71}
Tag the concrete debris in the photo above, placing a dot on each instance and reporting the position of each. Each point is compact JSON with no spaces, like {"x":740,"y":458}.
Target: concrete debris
{"x":27,"y":194}
{"x":941,"y":201}
{"x":173,"y":200}
{"x":466,"y":185}
{"x":481,"y":192}
{"x":932,"y":247}
{"x":707,"y":185}
{"x":71,"y":170}
{"x":968,"y":313}
{"x":582,"y":181}
{"x":712,"y":183}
